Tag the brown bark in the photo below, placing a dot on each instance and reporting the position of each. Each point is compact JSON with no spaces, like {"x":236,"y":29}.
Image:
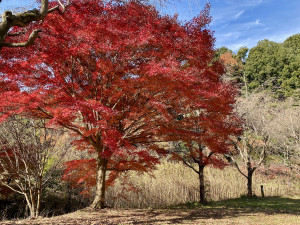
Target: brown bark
{"x":23,"y":19}
{"x":33,"y":203}
{"x":202,"y":185}
{"x":249,"y":185}
{"x":99,"y":200}
{"x":249,"y":181}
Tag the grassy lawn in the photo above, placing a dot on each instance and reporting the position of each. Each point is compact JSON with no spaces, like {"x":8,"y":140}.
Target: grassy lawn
{"x":272,"y":204}
{"x":245,"y":210}
{"x":278,"y":204}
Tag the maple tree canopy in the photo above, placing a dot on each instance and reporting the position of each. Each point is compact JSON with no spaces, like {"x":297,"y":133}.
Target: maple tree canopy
{"x":119,"y":75}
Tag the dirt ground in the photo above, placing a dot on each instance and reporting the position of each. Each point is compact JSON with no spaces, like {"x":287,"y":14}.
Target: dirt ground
{"x":167,"y":216}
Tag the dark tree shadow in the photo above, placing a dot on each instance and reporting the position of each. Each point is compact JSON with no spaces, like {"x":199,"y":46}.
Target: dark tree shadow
{"x":193,"y":213}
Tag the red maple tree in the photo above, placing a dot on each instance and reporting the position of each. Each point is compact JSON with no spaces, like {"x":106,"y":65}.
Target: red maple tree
{"x":119,"y":75}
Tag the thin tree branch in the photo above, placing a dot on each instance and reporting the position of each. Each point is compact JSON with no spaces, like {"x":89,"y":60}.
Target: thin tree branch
{"x":190,"y":166}
{"x":23,"y":19}
{"x":238,"y":168}
{"x":16,"y":34}
{"x":30,"y":41}
{"x":11,"y":188}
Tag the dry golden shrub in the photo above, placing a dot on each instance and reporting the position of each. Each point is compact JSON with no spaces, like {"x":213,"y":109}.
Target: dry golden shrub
{"x":173,"y":183}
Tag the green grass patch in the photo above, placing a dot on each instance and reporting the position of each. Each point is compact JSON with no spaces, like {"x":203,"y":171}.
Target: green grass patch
{"x":276,"y":204}
{"x":267,"y":203}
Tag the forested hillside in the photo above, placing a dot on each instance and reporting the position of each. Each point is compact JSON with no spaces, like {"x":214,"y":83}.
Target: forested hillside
{"x":267,"y":66}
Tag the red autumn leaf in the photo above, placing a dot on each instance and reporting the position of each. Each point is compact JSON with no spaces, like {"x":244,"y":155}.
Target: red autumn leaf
{"x":123,"y":78}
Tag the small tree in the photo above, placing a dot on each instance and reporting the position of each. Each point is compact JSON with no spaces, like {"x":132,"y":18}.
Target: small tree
{"x":208,"y":148}
{"x":210,"y":132}
{"x":252,"y":151}
{"x":196,"y":157}
{"x":26,"y":146}
{"x":251,"y":147}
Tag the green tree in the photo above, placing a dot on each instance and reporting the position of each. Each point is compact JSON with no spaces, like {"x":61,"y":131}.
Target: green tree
{"x":293,"y":42}
{"x":290,"y":77}
{"x":264,"y":65}
{"x":241,"y":54}
{"x":221,"y":51}
{"x":274,"y":66}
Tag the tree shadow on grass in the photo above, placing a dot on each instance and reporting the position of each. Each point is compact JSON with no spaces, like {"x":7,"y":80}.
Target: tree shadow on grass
{"x":225,"y":209}
{"x":166,"y":216}
{"x":194,"y":213}
{"x":230,"y":208}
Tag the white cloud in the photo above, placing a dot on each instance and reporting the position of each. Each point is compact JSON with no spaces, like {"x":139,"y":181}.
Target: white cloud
{"x":249,"y":25}
{"x":240,"y":23}
{"x":239,"y":14}
{"x":226,"y":16}
{"x":231,"y":35}
{"x":251,"y":42}
{"x":232,"y":10}
{"x":241,"y":27}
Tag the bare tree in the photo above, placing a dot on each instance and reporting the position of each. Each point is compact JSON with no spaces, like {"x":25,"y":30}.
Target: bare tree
{"x":29,"y":153}
{"x":285,"y":132}
{"x":23,"y":19}
{"x":250,"y":149}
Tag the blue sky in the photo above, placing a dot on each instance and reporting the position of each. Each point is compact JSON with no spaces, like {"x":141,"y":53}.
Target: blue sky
{"x":240,"y":23}
{"x":236,"y":22}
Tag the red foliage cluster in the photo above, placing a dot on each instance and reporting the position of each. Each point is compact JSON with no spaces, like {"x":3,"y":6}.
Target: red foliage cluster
{"x":118,"y":75}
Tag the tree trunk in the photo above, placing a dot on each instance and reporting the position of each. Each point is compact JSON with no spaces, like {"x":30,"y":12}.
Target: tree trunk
{"x":99,"y":200}
{"x":202,"y":185}
{"x":34,"y":211}
{"x":38,"y":199}
{"x":249,"y":181}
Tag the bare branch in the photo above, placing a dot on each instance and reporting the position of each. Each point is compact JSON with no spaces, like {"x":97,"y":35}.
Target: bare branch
{"x":53,"y":9}
{"x":262,"y":154}
{"x":190,"y":166}
{"x":23,"y":19}
{"x":11,"y":188}
{"x":238,"y":168}
{"x":63,"y":6}
{"x":16,"y":34}
{"x":26,"y":147}
{"x":30,"y":41}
